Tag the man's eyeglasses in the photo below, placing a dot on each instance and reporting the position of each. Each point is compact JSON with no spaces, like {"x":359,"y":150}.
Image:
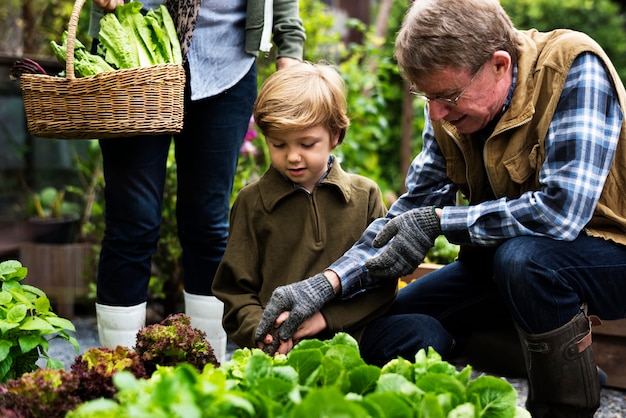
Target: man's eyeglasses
{"x":444,"y":100}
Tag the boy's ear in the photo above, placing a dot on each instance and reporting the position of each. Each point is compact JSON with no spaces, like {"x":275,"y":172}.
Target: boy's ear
{"x":338,"y":137}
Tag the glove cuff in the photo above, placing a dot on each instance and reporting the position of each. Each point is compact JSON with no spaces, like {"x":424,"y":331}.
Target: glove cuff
{"x":322,"y":286}
{"x":430,"y":223}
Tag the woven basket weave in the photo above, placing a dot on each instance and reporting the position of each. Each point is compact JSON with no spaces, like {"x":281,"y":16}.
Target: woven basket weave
{"x":121,"y":103}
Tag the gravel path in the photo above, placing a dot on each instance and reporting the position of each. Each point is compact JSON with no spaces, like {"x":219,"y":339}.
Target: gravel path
{"x":613,"y":403}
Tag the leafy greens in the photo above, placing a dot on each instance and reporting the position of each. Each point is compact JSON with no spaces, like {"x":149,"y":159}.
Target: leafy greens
{"x":127,"y":39}
{"x":316,"y":379}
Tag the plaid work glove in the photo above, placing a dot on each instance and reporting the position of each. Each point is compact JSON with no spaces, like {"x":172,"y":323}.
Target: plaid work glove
{"x":302,"y":299}
{"x":413,"y":234}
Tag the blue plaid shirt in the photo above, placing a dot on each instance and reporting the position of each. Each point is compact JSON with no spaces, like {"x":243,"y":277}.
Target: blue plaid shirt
{"x":579,"y":150}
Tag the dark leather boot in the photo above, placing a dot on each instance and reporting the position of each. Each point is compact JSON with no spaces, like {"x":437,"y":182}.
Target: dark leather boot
{"x":562,"y":374}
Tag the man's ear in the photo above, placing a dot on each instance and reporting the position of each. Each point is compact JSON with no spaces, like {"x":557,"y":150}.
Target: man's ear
{"x":501,"y":61}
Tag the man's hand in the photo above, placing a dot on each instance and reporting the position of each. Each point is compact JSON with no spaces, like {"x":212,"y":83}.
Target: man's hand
{"x":413,"y":234}
{"x":302,"y":299}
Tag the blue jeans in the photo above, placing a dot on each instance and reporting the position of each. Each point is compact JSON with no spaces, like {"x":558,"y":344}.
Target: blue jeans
{"x":544,"y":282}
{"x":389,"y":337}
{"x":207,"y":152}
{"x":539,"y":283}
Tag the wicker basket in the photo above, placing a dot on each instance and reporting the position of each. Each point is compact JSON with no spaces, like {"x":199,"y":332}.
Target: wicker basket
{"x":122,"y":103}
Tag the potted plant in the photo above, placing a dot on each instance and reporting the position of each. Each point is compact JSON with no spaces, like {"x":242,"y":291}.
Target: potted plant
{"x":51,"y":218}
{"x":27,"y":324}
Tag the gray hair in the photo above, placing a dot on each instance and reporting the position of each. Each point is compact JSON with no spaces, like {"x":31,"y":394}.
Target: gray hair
{"x":438,"y":34}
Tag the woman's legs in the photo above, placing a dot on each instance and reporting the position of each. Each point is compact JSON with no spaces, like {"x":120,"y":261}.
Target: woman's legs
{"x":207,"y":152}
{"x":134,"y":174}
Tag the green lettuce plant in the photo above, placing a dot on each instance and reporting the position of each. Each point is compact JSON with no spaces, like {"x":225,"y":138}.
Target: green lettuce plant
{"x":317,"y":378}
{"x":27,"y":324}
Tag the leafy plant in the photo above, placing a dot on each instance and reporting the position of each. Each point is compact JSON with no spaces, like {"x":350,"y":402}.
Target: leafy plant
{"x":95,"y":369}
{"x":443,"y":252}
{"x":174,"y":341}
{"x":317,"y":378}
{"x":50,"y":203}
{"x":170,"y":343}
{"x":27,"y":324}
{"x":43,"y":393}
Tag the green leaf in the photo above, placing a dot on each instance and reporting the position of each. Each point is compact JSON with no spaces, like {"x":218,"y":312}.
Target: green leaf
{"x":5,"y":298}
{"x":346,"y":355}
{"x":493,"y":397}
{"x":331,"y":372}
{"x":465,"y":410}
{"x":98,"y":408}
{"x":275,"y":388}
{"x":393,"y":404}
{"x":304,"y":361}
{"x":308,"y":344}
{"x":170,"y":29}
{"x":54,"y":364}
{"x":430,"y":407}
{"x":5,"y":368}
{"x":363,"y":379}
{"x":32,"y":289}
{"x":328,"y":402}
{"x":286,"y":373}
{"x":42,"y":305}
{"x":342,"y":338}
{"x":402,"y":367}
{"x":70,"y":339}
{"x":61,"y":323}
{"x":521,"y":413}
{"x":12,"y":270}
{"x":439,"y":383}
{"x":5,"y":348}
{"x":33,"y":323}
{"x":259,"y":366}
{"x":398,"y":384}
{"x":6,"y":326}
{"x":17,"y":313}
{"x":116,"y":46}
{"x":28,"y":342}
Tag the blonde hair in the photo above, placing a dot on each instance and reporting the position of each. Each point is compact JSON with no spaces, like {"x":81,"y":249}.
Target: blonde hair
{"x":301,"y":96}
{"x":463,"y":34}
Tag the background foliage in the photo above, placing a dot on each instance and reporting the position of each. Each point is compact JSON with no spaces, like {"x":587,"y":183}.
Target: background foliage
{"x":603,"y":20}
{"x":38,"y":22}
{"x":375,"y":91}
{"x":375,"y":99}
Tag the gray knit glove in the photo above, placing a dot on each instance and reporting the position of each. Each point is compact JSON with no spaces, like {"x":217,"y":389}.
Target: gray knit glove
{"x":302,"y":299}
{"x":413,"y":234}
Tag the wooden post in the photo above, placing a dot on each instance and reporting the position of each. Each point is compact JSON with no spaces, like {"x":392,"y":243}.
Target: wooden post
{"x":61,"y":271}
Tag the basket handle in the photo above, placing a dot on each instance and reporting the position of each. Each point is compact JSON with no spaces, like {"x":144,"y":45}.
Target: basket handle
{"x":71,"y":38}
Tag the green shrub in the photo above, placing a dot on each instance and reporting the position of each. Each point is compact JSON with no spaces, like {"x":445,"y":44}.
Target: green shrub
{"x":601,"y":19}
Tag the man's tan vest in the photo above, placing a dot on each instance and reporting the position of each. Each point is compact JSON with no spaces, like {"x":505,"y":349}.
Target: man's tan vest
{"x":514,"y":152}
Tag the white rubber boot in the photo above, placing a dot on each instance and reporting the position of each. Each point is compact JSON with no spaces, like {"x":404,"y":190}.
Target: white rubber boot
{"x":118,"y":325}
{"x":206,"y":314}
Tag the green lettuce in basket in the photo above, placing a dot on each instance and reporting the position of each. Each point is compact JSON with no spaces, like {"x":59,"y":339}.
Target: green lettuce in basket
{"x":127,"y":39}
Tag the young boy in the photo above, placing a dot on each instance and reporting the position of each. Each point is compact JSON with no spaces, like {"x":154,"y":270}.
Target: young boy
{"x":302,"y":214}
